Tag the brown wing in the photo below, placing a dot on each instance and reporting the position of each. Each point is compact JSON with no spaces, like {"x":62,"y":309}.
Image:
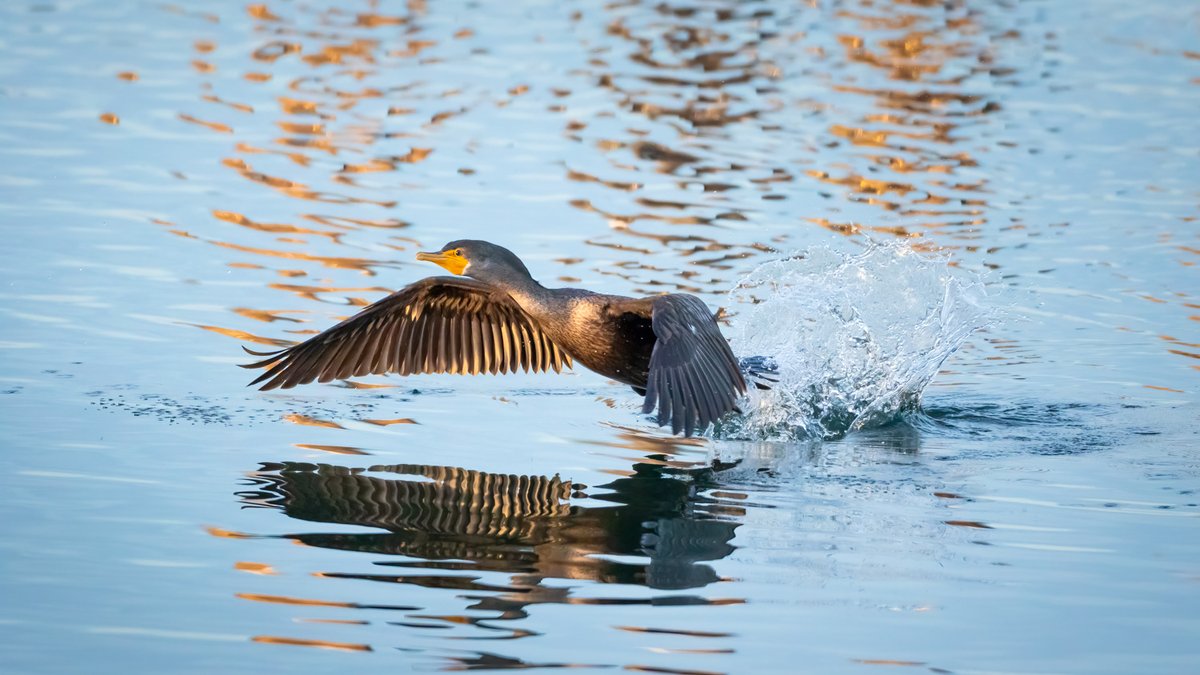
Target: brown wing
{"x":694,"y":377}
{"x":436,"y":325}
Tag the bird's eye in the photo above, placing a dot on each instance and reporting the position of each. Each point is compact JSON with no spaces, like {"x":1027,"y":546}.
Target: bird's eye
{"x":458,"y":252}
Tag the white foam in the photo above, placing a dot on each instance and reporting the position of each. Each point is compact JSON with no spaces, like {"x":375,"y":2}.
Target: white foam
{"x":857,"y":336}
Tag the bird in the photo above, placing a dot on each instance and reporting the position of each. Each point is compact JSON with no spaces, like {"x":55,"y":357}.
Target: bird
{"x":493,"y":317}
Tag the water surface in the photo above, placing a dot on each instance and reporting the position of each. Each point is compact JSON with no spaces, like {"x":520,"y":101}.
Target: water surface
{"x":177,"y":180}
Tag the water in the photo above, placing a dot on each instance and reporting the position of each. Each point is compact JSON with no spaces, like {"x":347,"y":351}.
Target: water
{"x":853,"y":339}
{"x":180,"y":180}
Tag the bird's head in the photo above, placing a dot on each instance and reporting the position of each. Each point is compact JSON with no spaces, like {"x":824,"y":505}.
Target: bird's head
{"x":478,"y":259}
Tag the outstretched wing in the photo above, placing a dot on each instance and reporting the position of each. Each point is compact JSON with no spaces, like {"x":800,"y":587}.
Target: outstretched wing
{"x":694,"y":377}
{"x":436,"y":325}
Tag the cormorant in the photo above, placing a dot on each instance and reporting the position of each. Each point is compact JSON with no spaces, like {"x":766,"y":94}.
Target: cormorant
{"x":667,"y":347}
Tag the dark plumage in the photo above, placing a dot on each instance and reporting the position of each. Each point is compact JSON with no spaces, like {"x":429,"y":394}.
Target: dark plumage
{"x":668,"y":347}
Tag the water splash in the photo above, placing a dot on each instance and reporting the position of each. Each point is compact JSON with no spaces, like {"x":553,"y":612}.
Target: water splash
{"x":856,"y":336}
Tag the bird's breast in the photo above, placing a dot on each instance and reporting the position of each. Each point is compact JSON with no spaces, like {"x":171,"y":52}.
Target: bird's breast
{"x":610,"y":343}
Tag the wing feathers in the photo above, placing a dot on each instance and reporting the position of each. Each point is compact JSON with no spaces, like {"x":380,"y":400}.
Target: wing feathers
{"x":437,"y":325}
{"x":694,"y":378}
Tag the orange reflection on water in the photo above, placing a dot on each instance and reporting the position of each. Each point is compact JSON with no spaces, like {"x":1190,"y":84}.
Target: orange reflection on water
{"x":305,"y":420}
{"x":361,"y":264}
{"x":389,"y":163}
{"x":288,"y":600}
{"x":261,"y":12}
{"x":214,"y":126}
{"x":227,"y":534}
{"x":279,"y":228}
{"x":264,"y":315}
{"x":297,"y":158}
{"x":969,"y":523}
{"x":240,"y":107}
{"x":244,"y":336}
{"x":322,"y":644}
{"x":254,"y":567}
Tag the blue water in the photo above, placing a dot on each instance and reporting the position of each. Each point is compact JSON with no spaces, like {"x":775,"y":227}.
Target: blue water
{"x":998,"y":196}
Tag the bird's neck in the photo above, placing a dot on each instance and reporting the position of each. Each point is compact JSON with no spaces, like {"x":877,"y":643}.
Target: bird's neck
{"x":529,"y":294}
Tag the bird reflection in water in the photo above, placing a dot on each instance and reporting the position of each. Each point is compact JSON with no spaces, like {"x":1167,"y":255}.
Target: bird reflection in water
{"x":450,"y":522}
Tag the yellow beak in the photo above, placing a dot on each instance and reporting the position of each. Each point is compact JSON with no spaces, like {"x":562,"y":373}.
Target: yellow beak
{"x":455,"y":263}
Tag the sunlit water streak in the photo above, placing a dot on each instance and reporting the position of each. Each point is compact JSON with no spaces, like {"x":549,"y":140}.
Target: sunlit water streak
{"x":856,"y":336}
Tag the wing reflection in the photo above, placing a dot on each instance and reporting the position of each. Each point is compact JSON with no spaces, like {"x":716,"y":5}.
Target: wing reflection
{"x":455,"y":519}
